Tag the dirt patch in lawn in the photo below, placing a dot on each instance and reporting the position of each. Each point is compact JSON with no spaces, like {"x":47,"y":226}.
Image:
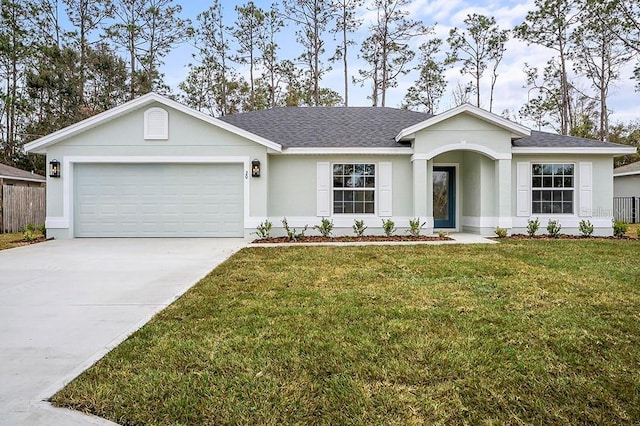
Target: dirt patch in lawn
{"x":352,"y":239}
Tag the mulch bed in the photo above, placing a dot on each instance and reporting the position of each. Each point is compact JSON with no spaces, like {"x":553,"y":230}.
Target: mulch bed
{"x":348,"y":239}
{"x":20,"y":243}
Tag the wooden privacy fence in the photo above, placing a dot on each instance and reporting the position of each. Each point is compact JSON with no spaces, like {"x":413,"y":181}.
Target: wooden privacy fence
{"x":626,"y":209}
{"x":21,"y":205}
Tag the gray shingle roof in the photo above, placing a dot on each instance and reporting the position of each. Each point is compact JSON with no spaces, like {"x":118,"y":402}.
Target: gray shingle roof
{"x":18,"y":174}
{"x":371,"y":127}
{"x":552,"y":140}
{"x":315,"y":127}
{"x":628,"y":168}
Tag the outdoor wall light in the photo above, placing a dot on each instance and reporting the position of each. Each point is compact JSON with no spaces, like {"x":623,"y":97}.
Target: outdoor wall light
{"x":255,"y":168}
{"x":54,"y":169}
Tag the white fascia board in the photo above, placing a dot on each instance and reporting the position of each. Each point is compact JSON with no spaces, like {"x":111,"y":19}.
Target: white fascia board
{"x":573,"y":150}
{"x":516,"y":130}
{"x":347,"y":151}
{"x":25,"y":179}
{"x":637,"y":172}
{"x":39,"y":145}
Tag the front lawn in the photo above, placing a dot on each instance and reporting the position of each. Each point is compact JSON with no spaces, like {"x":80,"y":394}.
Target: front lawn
{"x":542,"y":332}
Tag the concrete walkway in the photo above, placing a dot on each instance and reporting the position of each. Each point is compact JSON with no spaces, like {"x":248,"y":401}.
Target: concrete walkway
{"x":66,"y":303}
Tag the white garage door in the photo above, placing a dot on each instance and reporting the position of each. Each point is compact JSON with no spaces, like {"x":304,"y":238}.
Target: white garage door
{"x":158,"y":200}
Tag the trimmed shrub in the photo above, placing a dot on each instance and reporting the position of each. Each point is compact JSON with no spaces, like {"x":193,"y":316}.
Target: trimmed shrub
{"x":533,"y":226}
{"x":553,"y":228}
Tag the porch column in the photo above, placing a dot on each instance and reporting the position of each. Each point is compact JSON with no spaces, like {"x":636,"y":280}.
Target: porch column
{"x":503,"y":193}
{"x":429,"y":192}
{"x":420,"y":188}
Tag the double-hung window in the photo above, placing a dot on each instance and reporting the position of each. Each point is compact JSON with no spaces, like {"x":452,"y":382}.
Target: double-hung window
{"x":552,"y":188}
{"x":354,"y":188}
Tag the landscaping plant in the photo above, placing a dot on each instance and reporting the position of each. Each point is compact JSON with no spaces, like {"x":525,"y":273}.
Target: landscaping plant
{"x":359,"y":227}
{"x":620,"y":228}
{"x":325,"y":228}
{"x":389,"y":227}
{"x":443,"y":234}
{"x":415,"y":226}
{"x":293,"y":233}
{"x":586,"y":228}
{"x":532,"y":227}
{"x":264,"y":229}
{"x":500,"y":232}
{"x":553,"y":228}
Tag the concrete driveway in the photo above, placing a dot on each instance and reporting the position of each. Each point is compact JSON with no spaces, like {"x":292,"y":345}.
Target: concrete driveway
{"x":65,"y":303}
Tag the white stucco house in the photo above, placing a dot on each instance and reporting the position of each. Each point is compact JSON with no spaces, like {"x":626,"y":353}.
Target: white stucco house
{"x":153,"y":168}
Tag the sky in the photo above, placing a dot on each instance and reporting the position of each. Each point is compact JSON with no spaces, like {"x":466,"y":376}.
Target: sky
{"x":510,"y":93}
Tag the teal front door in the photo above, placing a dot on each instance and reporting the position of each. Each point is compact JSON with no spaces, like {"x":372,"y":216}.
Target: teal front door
{"x":444,"y":197}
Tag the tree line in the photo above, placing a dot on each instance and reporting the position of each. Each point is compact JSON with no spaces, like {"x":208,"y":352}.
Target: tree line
{"x":65,"y":60}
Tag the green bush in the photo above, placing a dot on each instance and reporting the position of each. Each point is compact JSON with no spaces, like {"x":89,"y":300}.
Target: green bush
{"x":358,"y":227}
{"x":325,"y":228}
{"x":389,"y":227}
{"x":29,"y":234}
{"x":620,"y":228}
{"x":415,"y":226}
{"x":500,"y":232}
{"x":553,"y":228}
{"x":264,"y":229}
{"x":532,"y":227}
{"x":586,"y":228}
{"x":293,"y":234}
{"x":42,"y":229}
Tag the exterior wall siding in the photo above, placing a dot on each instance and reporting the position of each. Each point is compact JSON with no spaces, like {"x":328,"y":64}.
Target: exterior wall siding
{"x":293,"y":185}
{"x":463,"y":128}
{"x":601,"y":212}
{"x":626,"y":186}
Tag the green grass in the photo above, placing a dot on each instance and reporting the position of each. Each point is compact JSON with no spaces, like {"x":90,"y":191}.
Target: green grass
{"x":522,"y":332}
{"x":8,"y":241}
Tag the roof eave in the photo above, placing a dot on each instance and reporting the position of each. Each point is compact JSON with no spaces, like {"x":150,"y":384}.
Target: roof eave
{"x":34,"y":179}
{"x":347,"y":151}
{"x":573,"y":150}
{"x":637,"y":172}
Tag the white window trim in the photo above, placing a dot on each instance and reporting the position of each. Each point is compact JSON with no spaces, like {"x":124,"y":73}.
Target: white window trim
{"x":573,"y":201}
{"x":374,"y":189}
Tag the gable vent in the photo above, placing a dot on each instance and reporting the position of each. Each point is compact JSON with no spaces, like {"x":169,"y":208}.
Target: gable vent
{"x":156,"y":124}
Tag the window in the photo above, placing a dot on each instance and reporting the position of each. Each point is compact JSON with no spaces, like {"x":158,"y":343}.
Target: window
{"x":552,"y":188}
{"x":354,"y":188}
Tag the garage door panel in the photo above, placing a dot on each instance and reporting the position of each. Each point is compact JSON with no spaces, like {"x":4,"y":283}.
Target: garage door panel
{"x":158,"y":200}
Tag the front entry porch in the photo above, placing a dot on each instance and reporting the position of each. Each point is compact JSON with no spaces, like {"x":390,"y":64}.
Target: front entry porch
{"x":463,"y":191}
